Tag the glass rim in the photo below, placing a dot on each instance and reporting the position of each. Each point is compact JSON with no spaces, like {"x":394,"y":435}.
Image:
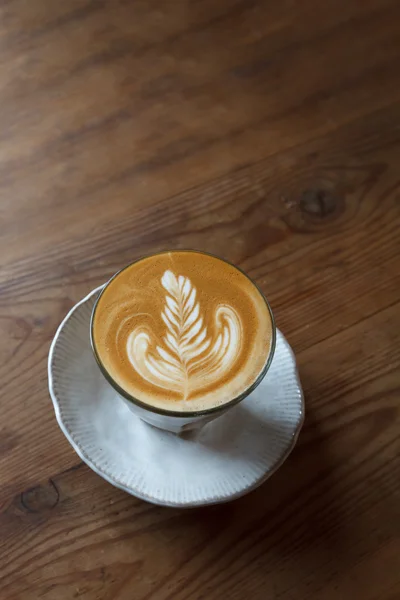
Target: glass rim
{"x":183,"y":413}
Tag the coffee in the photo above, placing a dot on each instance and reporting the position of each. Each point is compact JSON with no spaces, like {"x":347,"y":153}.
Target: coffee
{"x":182,"y":331}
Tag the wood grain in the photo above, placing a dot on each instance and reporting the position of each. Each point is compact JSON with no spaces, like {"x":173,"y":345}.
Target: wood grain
{"x":266,"y":132}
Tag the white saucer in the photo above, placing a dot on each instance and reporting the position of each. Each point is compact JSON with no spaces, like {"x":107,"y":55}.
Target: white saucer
{"x":226,"y":459}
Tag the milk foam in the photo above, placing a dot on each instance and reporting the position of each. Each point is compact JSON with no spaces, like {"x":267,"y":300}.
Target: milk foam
{"x":191,"y":350}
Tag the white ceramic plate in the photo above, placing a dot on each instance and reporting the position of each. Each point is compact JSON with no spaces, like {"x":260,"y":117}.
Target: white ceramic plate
{"x":226,"y":459}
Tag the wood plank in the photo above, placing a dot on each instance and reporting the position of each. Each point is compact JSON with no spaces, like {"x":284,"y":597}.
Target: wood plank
{"x":249,"y":120}
{"x":265,"y":132}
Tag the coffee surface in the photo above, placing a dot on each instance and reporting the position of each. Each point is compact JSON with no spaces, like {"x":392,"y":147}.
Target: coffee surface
{"x":182,"y":331}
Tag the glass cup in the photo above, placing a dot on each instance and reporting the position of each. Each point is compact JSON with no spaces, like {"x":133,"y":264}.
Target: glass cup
{"x":171,"y":420}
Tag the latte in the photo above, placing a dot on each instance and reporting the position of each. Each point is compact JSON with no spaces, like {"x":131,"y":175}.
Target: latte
{"x":182,"y":331}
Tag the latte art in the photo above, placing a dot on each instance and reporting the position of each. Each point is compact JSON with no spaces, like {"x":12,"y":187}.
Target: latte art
{"x":192,"y":351}
{"x":182,"y":331}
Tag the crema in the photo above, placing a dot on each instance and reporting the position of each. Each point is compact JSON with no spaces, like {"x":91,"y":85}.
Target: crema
{"x":182,"y":331}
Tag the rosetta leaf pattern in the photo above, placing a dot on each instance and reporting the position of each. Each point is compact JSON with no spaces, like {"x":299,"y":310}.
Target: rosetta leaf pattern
{"x":186,"y":337}
{"x":187,"y":353}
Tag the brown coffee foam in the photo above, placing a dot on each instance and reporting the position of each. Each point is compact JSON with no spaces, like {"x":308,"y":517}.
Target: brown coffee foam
{"x":135,"y":299}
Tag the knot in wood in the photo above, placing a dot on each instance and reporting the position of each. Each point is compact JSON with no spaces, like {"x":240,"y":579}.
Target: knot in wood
{"x":41,"y":497}
{"x":318,"y":203}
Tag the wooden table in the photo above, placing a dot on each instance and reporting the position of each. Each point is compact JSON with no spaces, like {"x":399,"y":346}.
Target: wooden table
{"x":266,"y":132}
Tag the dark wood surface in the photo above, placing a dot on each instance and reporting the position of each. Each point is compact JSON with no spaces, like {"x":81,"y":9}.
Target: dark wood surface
{"x":269,"y":133}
